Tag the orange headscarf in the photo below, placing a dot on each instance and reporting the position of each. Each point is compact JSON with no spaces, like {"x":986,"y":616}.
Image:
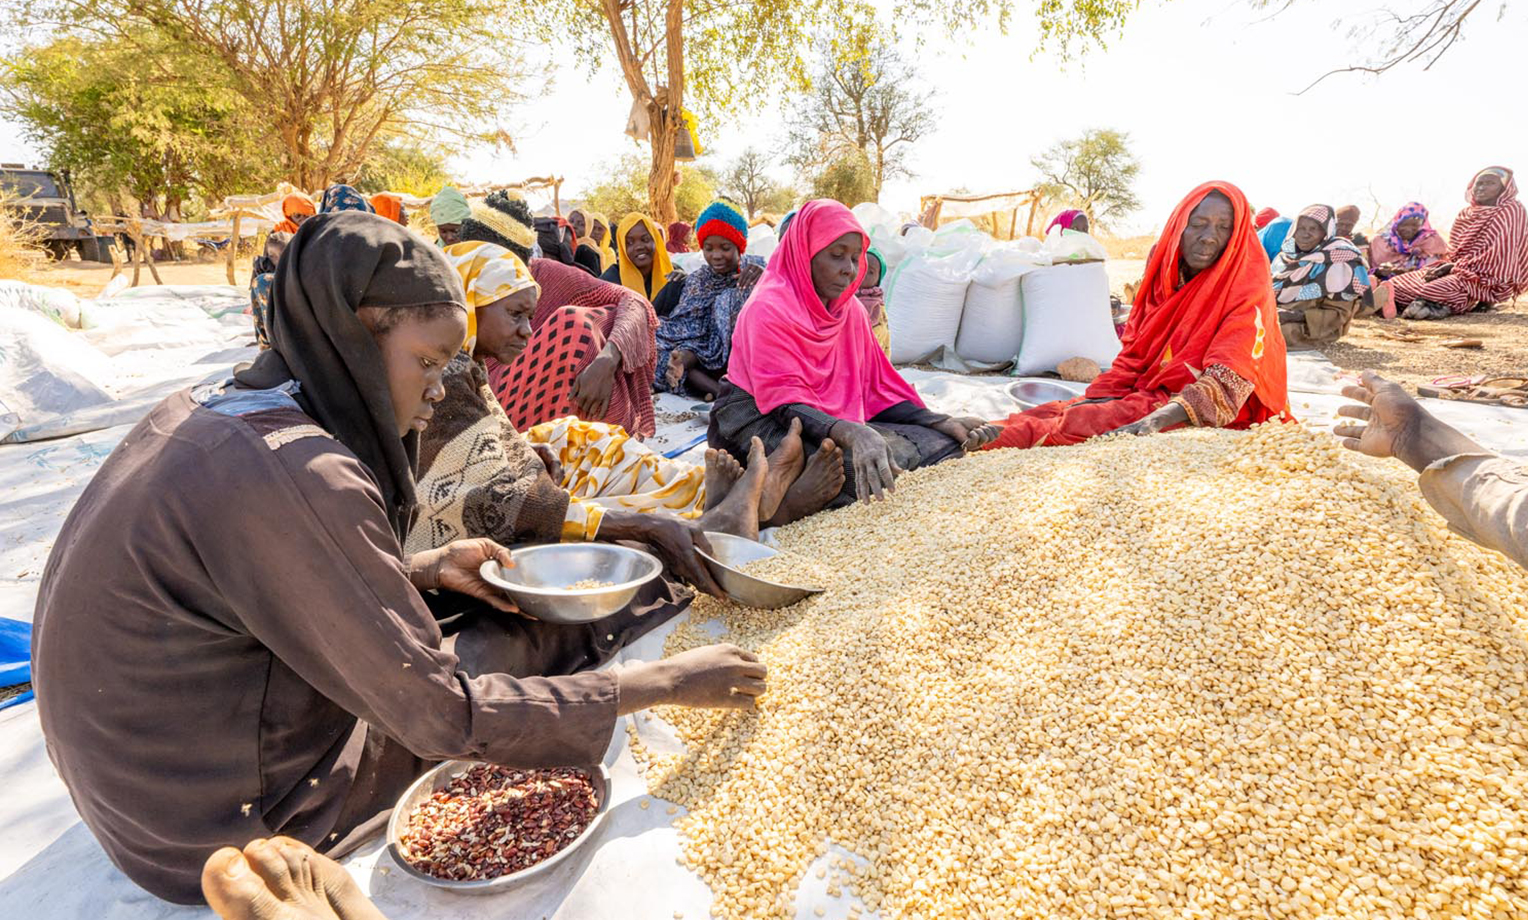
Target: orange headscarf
{"x":295,"y":203}
{"x":1225,"y":315}
{"x":389,"y":206}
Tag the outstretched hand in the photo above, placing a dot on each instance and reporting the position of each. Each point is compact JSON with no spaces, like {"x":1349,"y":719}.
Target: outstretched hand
{"x":454,"y":567}
{"x":972,"y":433}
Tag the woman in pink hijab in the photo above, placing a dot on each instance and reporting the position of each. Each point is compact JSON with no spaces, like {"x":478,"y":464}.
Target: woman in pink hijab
{"x":1070,"y":219}
{"x":803,"y":352}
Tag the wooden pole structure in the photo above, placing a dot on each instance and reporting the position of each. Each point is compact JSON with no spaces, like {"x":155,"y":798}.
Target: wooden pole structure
{"x":233,"y":245}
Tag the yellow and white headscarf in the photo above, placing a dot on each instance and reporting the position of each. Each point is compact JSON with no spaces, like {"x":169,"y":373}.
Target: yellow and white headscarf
{"x":631,"y":276}
{"x":606,"y":251}
{"x":489,"y":273}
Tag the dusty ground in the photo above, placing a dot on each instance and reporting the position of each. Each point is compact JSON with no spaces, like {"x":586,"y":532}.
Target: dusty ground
{"x":87,"y":279}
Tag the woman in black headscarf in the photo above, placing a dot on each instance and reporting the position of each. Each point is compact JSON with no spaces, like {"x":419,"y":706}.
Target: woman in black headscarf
{"x":229,"y":614}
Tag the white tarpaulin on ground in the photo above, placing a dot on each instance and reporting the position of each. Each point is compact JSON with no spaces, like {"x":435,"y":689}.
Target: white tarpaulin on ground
{"x":51,"y":867}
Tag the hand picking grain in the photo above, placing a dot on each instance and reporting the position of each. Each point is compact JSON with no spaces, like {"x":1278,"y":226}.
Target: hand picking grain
{"x":1208,"y":674}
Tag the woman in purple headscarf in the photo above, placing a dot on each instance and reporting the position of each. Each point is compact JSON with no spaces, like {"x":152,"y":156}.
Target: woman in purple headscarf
{"x":1407,"y":244}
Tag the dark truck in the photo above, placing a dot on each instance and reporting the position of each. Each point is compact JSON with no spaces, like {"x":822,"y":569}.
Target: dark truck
{"x":43,"y":200}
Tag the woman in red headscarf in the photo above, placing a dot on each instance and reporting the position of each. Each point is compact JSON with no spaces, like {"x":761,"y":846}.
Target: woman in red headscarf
{"x":1203,"y":345}
{"x":803,"y":352}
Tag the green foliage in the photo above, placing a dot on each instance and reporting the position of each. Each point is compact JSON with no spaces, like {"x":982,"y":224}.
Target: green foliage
{"x":624,"y":189}
{"x":849,"y":178}
{"x":129,"y":118}
{"x":750,"y":185}
{"x":328,"y":78}
{"x":1095,"y":172}
{"x":403,"y":165}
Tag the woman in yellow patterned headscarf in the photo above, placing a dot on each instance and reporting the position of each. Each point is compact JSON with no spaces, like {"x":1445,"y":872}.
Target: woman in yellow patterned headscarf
{"x":642,"y":263}
{"x":489,"y":274}
{"x":603,"y":243}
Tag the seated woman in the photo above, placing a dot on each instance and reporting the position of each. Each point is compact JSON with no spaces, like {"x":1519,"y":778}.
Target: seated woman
{"x":567,"y":479}
{"x":289,"y":675}
{"x":1408,"y":244}
{"x":1070,"y":219}
{"x":695,"y":339}
{"x":1348,"y":217}
{"x":295,"y":208}
{"x":592,"y":354}
{"x":447,"y":211}
{"x":261,"y":277}
{"x":1487,"y":261}
{"x":678,"y":237}
{"x":1318,"y":280}
{"x":1202,"y":347}
{"x":873,"y":298}
{"x":592,"y":235}
{"x":344,"y":198}
{"x":1264,"y":217}
{"x":803,"y":352}
{"x":642,"y":264}
{"x":391,"y":207}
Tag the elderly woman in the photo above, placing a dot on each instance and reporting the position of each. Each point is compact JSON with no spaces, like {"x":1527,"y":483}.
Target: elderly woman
{"x":1318,"y":279}
{"x":803,"y":352}
{"x":1407,"y":244}
{"x":643,"y":265}
{"x":1203,"y":345}
{"x":695,"y":339}
{"x":297,"y":683}
{"x":592,"y":354}
{"x":447,"y":211}
{"x":1487,"y":259}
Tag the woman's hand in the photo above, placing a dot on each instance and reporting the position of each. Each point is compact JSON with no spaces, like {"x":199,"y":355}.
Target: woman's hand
{"x":591,"y":390}
{"x":875,"y":472}
{"x":550,"y":461}
{"x":454,"y":567}
{"x":1441,"y":270}
{"x":972,"y":433}
{"x":1160,"y":420}
{"x":748,"y":276}
{"x":677,"y":541}
{"x":710,"y":677}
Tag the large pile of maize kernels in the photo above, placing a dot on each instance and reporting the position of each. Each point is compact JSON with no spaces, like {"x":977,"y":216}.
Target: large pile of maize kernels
{"x":1206,"y":674}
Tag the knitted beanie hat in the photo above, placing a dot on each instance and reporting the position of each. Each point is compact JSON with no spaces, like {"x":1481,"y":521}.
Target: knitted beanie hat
{"x":721,"y":219}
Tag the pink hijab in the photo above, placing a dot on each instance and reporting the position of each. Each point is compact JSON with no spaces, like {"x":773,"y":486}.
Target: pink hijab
{"x":789,"y":348}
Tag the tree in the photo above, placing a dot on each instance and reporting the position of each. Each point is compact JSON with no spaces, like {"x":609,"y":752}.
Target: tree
{"x":849,"y":178}
{"x":1096,"y":170}
{"x":403,"y":165}
{"x":329,"y":77}
{"x":626,"y":191}
{"x":751,"y":185}
{"x":158,"y":127}
{"x":873,"y":105}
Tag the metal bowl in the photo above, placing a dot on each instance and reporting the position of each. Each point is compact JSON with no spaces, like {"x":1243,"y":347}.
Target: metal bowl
{"x":1037,"y":391}
{"x":539,"y":580}
{"x":426,"y":786}
{"x":749,"y":590}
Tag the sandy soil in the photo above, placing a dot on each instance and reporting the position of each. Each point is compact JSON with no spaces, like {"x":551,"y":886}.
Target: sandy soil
{"x":87,"y":279}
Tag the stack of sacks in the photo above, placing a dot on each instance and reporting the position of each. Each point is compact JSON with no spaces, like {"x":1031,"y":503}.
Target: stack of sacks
{"x":1066,"y":315}
{"x":992,"y":324}
{"x":926,"y":293}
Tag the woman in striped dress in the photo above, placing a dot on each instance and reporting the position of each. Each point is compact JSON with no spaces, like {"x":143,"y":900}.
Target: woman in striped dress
{"x":1487,"y":262}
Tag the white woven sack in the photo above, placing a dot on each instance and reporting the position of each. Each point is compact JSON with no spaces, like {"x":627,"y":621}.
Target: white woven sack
{"x":992,"y":324}
{"x":1066,"y":315}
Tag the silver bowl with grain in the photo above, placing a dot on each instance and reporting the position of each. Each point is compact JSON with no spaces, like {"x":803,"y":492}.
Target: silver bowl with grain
{"x":726,"y":561}
{"x":437,"y":779}
{"x":542,"y":579}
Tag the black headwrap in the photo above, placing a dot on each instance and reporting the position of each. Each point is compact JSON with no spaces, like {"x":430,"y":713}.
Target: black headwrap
{"x":336,"y":264}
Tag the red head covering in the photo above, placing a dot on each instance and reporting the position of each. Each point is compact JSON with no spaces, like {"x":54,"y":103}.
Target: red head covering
{"x":389,"y":206}
{"x":678,"y":236}
{"x":295,"y":203}
{"x":1265,"y":217}
{"x":789,"y":348}
{"x":1225,"y":315}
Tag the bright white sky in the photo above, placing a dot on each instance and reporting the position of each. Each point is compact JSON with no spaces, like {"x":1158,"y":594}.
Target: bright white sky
{"x":1204,"y":87}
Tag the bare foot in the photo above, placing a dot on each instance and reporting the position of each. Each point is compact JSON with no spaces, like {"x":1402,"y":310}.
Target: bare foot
{"x":673,"y":375}
{"x":282,"y":879}
{"x":786,"y":462}
{"x":722,"y":473}
{"x":819,"y":483}
{"x":738,"y":513}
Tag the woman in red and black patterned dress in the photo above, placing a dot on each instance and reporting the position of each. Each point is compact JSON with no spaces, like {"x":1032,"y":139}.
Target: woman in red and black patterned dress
{"x":593,"y":352}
